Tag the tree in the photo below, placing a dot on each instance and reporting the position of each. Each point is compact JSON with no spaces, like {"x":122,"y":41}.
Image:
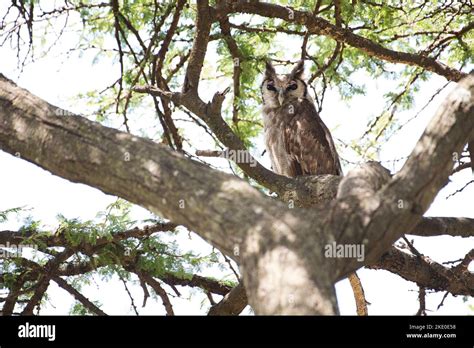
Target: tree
{"x":279,"y":244}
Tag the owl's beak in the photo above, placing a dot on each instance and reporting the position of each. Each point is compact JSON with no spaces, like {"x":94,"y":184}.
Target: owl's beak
{"x":281,"y":97}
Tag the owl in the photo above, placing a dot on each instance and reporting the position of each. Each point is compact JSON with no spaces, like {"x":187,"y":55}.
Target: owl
{"x":297,"y":140}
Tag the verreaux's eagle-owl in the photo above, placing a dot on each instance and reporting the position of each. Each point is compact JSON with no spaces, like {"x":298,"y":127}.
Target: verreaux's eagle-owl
{"x":297,"y":140}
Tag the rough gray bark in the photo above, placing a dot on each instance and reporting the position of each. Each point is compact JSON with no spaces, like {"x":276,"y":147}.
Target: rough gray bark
{"x":428,"y":273}
{"x":232,"y":304}
{"x":280,"y":250}
{"x":160,"y":180}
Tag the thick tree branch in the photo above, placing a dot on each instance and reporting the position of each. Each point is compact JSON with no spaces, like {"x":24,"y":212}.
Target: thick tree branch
{"x":153,"y":170}
{"x":437,"y":226}
{"x":386,"y":208}
{"x":277,"y":247}
{"x":232,"y":304}
{"x":33,"y":272}
{"x":427,"y":273}
{"x":161,"y":180}
{"x":160,"y":57}
{"x":23,"y":237}
{"x":157,"y":288}
{"x":198,"y":52}
{"x":263,"y":234}
{"x":12,"y":297}
{"x":304,"y":191}
{"x":44,"y":280}
{"x":320,"y":26}
{"x":78,"y":296}
{"x":238,"y":59}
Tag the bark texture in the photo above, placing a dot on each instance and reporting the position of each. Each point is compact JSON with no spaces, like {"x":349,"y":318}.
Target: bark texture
{"x":280,"y":250}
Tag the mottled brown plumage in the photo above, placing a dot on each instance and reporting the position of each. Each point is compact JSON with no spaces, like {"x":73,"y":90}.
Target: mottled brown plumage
{"x":297,"y":140}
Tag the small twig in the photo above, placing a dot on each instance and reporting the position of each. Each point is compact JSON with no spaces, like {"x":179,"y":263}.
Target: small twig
{"x":129,"y":294}
{"x":422,"y":300}
{"x":359,"y":295}
{"x":228,"y":261}
{"x":211,"y":300}
{"x":462,"y":166}
{"x":146,"y":293}
{"x":304,"y":45}
{"x":175,"y":289}
{"x":209,"y":153}
{"x":460,"y":190}
{"x":78,"y":296}
{"x":449,"y":262}
{"x":470,"y":149}
{"x":160,"y":292}
{"x":238,"y":58}
{"x":463,"y":266}
{"x":117,"y":29}
{"x":442,"y":301}
{"x":412,"y":247}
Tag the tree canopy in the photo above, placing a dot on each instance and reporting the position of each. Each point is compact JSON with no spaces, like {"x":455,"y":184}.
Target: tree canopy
{"x":196,"y":68}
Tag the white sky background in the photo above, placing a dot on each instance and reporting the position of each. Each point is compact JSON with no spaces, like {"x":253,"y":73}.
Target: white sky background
{"x":58,"y":78}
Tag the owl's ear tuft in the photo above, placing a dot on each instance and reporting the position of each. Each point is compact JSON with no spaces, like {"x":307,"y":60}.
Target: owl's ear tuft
{"x":269,"y":70}
{"x":298,"y":70}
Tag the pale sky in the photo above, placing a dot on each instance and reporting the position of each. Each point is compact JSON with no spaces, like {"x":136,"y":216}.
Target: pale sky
{"x":59,"y":78}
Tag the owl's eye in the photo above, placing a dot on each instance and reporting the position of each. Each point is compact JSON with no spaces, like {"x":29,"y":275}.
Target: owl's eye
{"x":271,"y":87}
{"x":292,"y":87}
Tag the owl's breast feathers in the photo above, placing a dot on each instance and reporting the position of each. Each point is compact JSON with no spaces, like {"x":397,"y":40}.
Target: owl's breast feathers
{"x":302,"y":140}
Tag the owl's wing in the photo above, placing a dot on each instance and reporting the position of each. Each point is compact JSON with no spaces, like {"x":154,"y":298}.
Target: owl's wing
{"x":309,"y":143}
